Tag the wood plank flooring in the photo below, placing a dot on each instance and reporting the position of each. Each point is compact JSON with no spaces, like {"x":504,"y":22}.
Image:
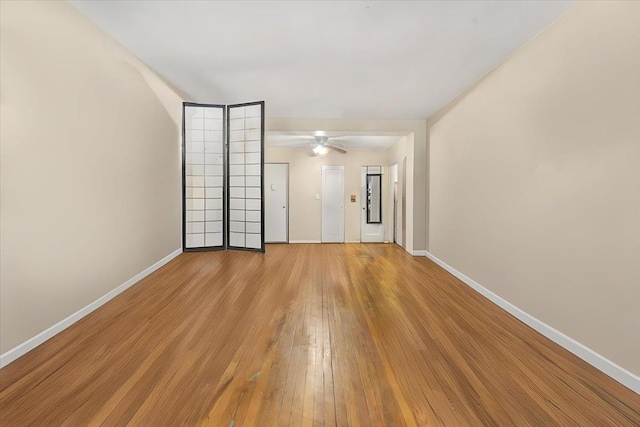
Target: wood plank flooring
{"x":322,"y":335}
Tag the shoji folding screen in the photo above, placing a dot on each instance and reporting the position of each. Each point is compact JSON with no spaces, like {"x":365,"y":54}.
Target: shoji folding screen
{"x":245,"y":176}
{"x":203,"y":155}
{"x":223,"y":166}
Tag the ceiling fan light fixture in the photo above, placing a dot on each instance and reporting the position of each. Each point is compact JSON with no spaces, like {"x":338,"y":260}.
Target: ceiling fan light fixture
{"x":321,"y":140}
{"x":320,"y":149}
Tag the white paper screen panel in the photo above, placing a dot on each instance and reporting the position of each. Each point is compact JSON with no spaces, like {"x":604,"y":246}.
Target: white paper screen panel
{"x":245,"y":169}
{"x":203,"y":176}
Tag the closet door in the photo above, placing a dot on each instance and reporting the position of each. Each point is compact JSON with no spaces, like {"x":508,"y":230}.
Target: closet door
{"x":203,"y":177}
{"x":245,"y":127}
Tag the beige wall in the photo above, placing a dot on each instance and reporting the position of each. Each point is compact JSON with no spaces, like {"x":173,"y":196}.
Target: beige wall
{"x":305,"y":181}
{"x":416,"y":148}
{"x":90,"y":166}
{"x":535,"y":187}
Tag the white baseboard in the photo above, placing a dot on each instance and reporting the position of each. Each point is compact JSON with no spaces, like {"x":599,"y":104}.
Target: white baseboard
{"x":318,"y":241}
{"x":419,"y":253}
{"x":43,"y":336}
{"x":598,"y":361}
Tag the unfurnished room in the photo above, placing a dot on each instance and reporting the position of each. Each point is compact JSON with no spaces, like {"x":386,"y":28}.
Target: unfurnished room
{"x":323,"y":213}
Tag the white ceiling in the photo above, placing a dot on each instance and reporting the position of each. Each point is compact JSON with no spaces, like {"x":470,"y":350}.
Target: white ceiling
{"x":344,"y":139}
{"x":333,"y":59}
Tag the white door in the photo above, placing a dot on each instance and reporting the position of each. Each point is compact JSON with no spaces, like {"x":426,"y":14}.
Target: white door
{"x":276,"y":211}
{"x":371,"y":227}
{"x":332,"y":204}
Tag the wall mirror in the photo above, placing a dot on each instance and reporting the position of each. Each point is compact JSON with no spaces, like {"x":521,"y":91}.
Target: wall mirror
{"x":374,"y":198}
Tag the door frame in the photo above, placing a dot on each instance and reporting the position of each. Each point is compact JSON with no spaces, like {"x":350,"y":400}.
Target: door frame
{"x":288,"y":205}
{"x":342,"y":231}
{"x":403,"y":193}
{"x":393,"y":202}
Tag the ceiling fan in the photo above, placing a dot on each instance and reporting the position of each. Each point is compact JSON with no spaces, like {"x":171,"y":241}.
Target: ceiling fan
{"x":322,"y":145}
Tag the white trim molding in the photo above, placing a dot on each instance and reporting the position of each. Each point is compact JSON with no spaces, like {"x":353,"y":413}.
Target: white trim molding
{"x":43,"y":336}
{"x":305,"y":241}
{"x":596,"y":360}
{"x":420,"y":252}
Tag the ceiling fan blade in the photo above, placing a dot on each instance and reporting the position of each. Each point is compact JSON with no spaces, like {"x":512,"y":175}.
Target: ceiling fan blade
{"x":334,"y":148}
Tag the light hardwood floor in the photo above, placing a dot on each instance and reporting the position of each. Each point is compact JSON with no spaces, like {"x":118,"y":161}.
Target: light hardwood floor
{"x":330,"y":335}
